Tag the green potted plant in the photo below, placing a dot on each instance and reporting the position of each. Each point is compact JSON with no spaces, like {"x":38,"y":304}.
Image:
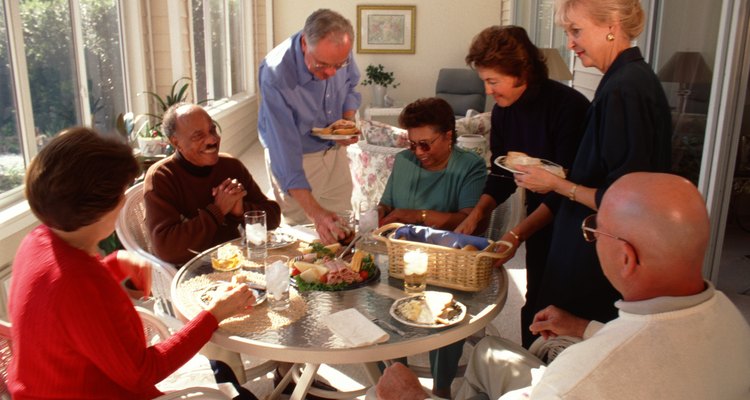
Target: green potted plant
{"x":380,"y":80}
{"x":144,"y":130}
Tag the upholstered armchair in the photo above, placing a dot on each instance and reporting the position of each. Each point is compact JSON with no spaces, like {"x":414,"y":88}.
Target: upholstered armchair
{"x":462,"y":89}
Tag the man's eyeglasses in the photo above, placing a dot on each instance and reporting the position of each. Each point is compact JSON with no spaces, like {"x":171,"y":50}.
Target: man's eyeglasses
{"x":321,"y":66}
{"x":589,"y":230}
{"x":588,"y":226}
{"x":423,"y":145}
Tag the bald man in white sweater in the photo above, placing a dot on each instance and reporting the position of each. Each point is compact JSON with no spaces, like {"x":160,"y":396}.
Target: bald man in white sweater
{"x":676,"y":337}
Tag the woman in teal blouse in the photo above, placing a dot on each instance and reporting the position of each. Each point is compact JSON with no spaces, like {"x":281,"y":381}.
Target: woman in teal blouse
{"x":436,"y":184}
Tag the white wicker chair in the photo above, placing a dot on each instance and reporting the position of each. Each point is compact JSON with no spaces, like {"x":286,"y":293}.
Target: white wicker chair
{"x":507,"y":215}
{"x":156,"y":331}
{"x":134,"y":236}
{"x":5,"y":356}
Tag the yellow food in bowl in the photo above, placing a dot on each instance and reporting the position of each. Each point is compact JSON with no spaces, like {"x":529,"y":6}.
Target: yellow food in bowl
{"x":228,"y":258}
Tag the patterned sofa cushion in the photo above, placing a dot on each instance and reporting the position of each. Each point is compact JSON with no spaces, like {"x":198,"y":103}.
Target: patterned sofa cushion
{"x":478,"y":124}
{"x":380,"y":134}
{"x":371,"y":160}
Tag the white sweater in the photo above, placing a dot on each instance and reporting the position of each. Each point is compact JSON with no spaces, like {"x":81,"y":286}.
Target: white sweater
{"x":698,"y":352}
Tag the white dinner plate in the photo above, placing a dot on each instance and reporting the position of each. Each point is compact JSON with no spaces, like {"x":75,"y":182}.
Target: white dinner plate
{"x":277,"y":240}
{"x":206,"y":294}
{"x":402,"y":319}
{"x":336,"y":137}
{"x":548,"y":165}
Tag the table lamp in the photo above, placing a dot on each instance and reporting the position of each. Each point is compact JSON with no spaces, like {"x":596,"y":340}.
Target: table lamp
{"x":686,"y":68}
{"x":555,"y":65}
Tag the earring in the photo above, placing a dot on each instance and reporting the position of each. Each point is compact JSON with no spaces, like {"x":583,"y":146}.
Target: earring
{"x":610,"y":37}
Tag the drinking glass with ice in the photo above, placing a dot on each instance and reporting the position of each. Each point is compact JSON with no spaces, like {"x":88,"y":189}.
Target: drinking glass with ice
{"x":256,"y":236}
{"x":277,"y":282}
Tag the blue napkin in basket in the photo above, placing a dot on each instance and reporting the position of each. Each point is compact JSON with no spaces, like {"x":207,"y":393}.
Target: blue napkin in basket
{"x":439,"y":237}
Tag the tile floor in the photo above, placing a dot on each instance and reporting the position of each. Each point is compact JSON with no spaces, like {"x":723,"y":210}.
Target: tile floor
{"x":734,"y":280}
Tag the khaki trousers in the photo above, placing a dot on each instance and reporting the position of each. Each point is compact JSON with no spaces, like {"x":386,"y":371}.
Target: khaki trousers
{"x":330,"y":179}
{"x":498,"y":366}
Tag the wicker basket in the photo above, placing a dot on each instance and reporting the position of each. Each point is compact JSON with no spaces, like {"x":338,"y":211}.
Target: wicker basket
{"x":451,"y":268}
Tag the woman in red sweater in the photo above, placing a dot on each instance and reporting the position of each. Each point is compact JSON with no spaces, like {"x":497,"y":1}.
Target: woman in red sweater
{"x":75,"y":331}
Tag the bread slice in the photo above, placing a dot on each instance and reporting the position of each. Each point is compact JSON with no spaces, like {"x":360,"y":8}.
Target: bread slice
{"x":437,"y":301}
{"x":515,"y":158}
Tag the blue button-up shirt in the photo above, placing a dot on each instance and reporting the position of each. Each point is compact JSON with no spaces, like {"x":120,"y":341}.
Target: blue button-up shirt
{"x":293,"y":102}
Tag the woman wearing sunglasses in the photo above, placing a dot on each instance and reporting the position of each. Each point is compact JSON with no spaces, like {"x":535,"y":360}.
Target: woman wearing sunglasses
{"x":434,"y":183}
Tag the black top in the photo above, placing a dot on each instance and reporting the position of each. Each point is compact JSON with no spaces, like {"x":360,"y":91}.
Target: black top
{"x":547,"y":122}
{"x":628,"y":129}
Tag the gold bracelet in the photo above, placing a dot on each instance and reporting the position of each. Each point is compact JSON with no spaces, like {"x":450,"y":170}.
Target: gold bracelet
{"x":424,"y":216}
{"x":572,"y":193}
{"x":515,"y":235}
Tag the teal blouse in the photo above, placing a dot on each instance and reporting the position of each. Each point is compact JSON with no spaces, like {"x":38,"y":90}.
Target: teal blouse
{"x":458,"y":186}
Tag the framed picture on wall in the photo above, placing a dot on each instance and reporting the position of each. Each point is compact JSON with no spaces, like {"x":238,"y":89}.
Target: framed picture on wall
{"x":386,"y":29}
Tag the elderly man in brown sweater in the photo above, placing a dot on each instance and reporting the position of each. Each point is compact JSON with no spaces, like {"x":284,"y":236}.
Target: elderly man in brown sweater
{"x":196,"y":198}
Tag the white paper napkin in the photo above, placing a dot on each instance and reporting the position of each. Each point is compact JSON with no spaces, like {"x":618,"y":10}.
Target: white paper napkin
{"x":354,"y":328}
{"x":299,"y":232}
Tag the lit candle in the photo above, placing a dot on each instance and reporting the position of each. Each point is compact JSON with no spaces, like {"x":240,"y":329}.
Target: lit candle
{"x":415,"y":262}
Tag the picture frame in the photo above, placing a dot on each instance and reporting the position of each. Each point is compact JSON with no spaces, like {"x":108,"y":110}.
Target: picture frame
{"x":386,"y":29}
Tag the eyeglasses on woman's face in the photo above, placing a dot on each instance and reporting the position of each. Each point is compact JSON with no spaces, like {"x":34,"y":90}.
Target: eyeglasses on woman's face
{"x":424,"y":145}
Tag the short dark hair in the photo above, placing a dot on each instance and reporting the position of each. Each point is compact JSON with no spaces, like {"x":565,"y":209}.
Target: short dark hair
{"x":78,"y":177}
{"x":431,"y":111}
{"x":508,"y":50}
{"x":324,"y":22}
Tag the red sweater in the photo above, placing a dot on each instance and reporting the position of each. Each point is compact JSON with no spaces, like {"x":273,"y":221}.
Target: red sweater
{"x":75,"y":332}
{"x":180,"y":210}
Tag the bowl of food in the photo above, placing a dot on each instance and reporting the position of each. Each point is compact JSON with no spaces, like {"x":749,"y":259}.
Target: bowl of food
{"x":228,"y":257}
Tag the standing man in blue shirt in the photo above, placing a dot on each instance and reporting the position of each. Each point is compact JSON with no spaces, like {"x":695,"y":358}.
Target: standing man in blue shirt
{"x":307,"y":82}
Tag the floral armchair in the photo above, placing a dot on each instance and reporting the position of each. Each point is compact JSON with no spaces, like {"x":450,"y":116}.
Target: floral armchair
{"x":371,"y":160}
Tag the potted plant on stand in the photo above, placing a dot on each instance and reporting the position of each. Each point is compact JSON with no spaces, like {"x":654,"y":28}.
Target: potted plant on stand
{"x":144,"y":131}
{"x":380,"y":80}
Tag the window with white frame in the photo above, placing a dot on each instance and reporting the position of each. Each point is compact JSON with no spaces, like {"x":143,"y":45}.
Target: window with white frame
{"x":61,"y":66}
{"x":221,"y":29}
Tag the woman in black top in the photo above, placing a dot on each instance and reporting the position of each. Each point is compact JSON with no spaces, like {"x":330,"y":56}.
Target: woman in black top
{"x":628,"y":129}
{"x":533,"y":114}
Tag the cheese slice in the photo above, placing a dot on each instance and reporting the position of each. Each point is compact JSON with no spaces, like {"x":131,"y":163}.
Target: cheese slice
{"x":303,"y":266}
{"x":310,"y":276}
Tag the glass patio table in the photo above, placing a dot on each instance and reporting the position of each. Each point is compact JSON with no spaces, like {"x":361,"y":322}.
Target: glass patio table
{"x":307,"y":342}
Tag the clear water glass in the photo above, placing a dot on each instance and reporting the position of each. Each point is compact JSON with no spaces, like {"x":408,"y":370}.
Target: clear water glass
{"x":256,"y":236}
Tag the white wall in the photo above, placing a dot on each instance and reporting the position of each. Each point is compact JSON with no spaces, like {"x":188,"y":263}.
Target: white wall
{"x":444,"y":29}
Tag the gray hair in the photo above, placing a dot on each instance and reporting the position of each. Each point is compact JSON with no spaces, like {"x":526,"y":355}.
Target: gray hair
{"x":325,"y":23}
{"x":169,"y":120}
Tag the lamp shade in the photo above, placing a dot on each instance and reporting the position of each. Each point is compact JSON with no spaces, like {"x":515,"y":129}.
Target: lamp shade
{"x":556,"y":66}
{"x":685,"y":67}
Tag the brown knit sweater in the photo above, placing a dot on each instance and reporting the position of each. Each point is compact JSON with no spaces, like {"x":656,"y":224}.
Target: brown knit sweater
{"x":180,"y":210}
